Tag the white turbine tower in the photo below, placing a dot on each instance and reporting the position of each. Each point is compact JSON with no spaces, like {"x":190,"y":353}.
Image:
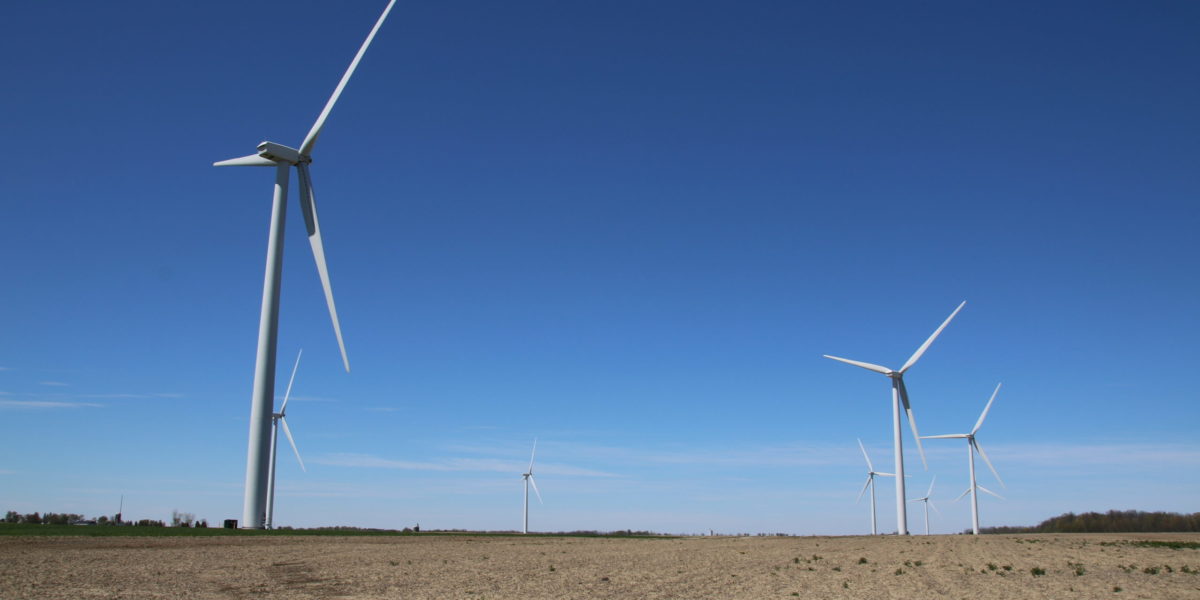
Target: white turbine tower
{"x":973,"y":447}
{"x":928,"y":503}
{"x":278,"y":418}
{"x":283,"y":158}
{"x":900,"y":395}
{"x":871,"y":473}
{"x":528,"y":477}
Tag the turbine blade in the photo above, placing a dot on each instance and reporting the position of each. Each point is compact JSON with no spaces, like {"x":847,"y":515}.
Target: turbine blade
{"x":885,"y":474}
{"x":864,"y":490}
{"x":868,"y":366}
{"x":946,"y":436}
{"x":934,"y":507}
{"x":917,"y":355}
{"x":287,"y":431}
{"x":311,"y":139}
{"x":984,"y":456}
{"x":991,"y":492}
{"x":532,"y":454}
{"x":253,"y":160}
{"x":308,"y":206}
{"x":912,"y":421}
{"x":960,"y":496}
{"x":288,"y":393}
{"x":864,"y":451}
{"x":983,"y":415}
{"x":535,"y":490}
{"x":930,"y":491}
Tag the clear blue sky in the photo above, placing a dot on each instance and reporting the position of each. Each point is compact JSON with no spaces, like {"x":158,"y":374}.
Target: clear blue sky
{"x":629,"y":229}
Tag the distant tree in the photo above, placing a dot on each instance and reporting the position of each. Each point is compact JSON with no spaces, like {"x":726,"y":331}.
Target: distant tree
{"x":32,"y":518}
{"x":202,"y":523}
{"x":1114,"y":521}
{"x":102,"y":520}
{"x":12,"y":517}
{"x":179,"y":519}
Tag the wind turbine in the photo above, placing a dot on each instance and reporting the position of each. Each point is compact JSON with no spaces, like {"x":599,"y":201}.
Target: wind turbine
{"x":278,"y":418}
{"x":871,"y":473}
{"x":928,"y":503}
{"x":899,"y":395}
{"x":283,"y":158}
{"x":972,"y":447}
{"x":528,"y":477}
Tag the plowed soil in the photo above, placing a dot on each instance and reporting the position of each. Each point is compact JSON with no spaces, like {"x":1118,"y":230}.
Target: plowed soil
{"x":419,"y":567}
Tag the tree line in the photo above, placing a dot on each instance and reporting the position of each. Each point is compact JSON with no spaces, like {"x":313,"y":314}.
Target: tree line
{"x":1113,"y":521}
{"x":178,"y":519}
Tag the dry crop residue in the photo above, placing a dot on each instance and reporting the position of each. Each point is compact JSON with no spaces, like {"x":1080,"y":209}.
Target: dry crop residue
{"x":429,"y":567}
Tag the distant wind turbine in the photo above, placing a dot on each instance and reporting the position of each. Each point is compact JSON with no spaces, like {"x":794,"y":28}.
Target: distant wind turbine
{"x":928,"y":503}
{"x":277,"y":419}
{"x":871,"y":473}
{"x":972,"y":447}
{"x":283,"y":158}
{"x":528,"y":477}
{"x":900,"y":395}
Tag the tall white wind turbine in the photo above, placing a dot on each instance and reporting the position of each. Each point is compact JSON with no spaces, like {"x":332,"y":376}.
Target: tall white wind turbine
{"x":528,"y":477}
{"x":283,"y":158}
{"x":277,"y":419}
{"x":973,"y":447}
{"x":926,"y":500}
{"x":900,"y":395}
{"x":871,"y":473}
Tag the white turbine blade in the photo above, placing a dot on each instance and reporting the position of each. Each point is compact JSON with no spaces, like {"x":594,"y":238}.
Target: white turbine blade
{"x":535,"y":490}
{"x":864,"y":451}
{"x":287,"y":431}
{"x":934,"y":507}
{"x":253,"y":160}
{"x":912,"y":421}
{"x":532,"y":454}
{"x":868,"y":366}
{"x":864,"y":490}
{"x":308,"y":206}
{"x":960,"y":496}
{"x":946,"y":436}
{"x":983,"y":415}
{"x":981,"y":488}
{"x":930,"y":491}
{"x":917,"y":355}
{"x":311,"y":139}
{"x":984,"y":456}
{"x":288,"y":393}
{"x":885,"y":474}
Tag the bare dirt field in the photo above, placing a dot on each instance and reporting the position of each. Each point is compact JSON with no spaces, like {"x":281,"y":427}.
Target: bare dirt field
{"x":992,"y":566}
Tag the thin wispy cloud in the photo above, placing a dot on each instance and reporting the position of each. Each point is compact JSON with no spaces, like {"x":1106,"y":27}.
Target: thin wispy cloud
{"x":63,"y":396}
{"x":1091,"y":455}
{"x":46,"y":404}
{"x":452,"y":464}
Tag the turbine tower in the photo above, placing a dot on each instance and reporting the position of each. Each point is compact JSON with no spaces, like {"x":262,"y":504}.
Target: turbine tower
{"x":871,"y":473}
{"x":283,"y":158}
{"x":973,"y":447}
{"x":277,"y":419}
{"x":528,"y":477}
{"x":900,"y":395}
{"x":928,"y":503}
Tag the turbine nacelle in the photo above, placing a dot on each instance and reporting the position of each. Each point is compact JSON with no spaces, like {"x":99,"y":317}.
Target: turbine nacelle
{"x":281,"y":153}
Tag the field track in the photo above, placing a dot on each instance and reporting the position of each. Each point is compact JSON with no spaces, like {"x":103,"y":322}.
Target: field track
{"x":1084,"y":566}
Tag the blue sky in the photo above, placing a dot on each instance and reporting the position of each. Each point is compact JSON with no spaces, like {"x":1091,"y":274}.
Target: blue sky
{"x":627,"y":229}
